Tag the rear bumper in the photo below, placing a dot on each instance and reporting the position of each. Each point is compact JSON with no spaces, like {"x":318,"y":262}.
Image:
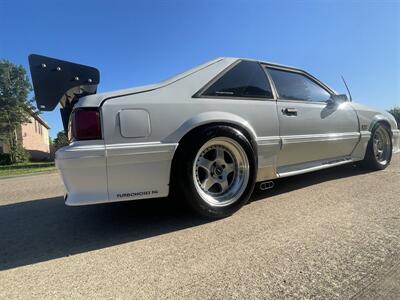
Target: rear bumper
{"x":83,"y":171}
{"x":97,"y":173}
{"x":396,"y":140}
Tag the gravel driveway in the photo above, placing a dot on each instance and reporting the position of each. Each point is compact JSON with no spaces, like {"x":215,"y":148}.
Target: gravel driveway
{"x":330,"y":234}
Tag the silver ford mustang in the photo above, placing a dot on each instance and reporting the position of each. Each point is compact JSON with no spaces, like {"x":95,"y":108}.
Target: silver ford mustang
{"x":208,"y":134}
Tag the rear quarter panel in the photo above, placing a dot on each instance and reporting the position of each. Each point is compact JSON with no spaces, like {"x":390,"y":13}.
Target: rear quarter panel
{"x":143,"y":164}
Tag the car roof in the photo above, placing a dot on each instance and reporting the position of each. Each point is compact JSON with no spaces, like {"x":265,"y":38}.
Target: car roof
{"x":269,"y":63}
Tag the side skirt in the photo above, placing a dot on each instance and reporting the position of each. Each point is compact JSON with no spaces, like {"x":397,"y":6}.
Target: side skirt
{"x":312,"y":166}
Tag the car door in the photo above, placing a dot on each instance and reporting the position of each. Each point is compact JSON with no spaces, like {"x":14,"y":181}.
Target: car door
{"x":311,"y":128}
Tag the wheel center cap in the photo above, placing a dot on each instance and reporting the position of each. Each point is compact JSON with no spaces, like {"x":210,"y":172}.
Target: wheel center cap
{"x":219,"y":170}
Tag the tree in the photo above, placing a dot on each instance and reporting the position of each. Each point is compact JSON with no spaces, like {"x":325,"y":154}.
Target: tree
{"x":15,"y":108}
{"x":61,"y":140}
{"x":395,"y":111}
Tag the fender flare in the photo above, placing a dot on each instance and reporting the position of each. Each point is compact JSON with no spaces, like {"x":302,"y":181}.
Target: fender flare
{"x":211,"y":117}
{"x":379,"y":118}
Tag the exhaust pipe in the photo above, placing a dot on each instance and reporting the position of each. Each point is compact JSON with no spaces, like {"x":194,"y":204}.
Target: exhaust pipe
{"x":266,"y":185}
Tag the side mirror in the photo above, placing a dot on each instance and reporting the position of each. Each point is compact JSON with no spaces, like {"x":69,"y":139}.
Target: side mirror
{"x":337,"y":99}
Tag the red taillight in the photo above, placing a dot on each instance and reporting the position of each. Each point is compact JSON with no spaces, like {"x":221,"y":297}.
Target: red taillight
{"x":86,"y":124}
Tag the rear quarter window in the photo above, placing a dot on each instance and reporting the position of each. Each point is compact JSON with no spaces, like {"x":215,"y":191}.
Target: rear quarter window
{"x":247,"y":79}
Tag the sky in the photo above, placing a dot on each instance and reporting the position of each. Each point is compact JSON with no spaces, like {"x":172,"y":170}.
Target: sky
{"x":140,"y":42}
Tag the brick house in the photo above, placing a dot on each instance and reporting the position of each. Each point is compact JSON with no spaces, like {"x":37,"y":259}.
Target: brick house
{"x":34,"y":137}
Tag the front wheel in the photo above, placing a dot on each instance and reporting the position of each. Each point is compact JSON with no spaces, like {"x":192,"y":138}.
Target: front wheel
{"x":379,"y":149}
{"x":216,"y":171}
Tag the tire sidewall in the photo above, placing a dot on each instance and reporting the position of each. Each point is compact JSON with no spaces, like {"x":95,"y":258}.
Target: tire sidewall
{"x":187,"y":156}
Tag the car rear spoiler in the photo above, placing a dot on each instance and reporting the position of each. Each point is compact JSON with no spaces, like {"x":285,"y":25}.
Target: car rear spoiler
{"x":58,"y":81}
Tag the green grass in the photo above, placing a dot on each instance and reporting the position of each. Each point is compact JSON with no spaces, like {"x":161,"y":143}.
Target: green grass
{"x":26,"y":168}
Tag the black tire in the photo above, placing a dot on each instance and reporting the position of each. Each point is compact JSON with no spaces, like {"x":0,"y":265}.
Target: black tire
{"x":184,"y":181}
{"x":371,"y":160}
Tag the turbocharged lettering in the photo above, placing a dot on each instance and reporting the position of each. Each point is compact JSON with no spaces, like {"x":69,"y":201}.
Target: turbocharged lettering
{"x":136,"y":194}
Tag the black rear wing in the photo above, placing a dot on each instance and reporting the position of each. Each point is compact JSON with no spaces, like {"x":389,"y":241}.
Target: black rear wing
{"x":58,"y":81}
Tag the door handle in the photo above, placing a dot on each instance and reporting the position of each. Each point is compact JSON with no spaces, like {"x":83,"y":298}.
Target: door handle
{"x":289,"y":111}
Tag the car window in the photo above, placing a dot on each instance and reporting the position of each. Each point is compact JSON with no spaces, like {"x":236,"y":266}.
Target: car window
{"x":295,"y":86}
{"x":246,"y":79}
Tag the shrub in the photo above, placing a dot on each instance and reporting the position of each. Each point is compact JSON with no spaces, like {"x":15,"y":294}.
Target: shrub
{"x":21,"y":155}
{"x":5,"y":159}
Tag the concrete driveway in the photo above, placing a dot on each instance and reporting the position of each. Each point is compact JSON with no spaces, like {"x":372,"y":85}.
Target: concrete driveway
{"x":329,"y":234}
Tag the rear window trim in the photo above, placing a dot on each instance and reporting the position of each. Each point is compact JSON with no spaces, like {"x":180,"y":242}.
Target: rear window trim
{"x":200,"y":94}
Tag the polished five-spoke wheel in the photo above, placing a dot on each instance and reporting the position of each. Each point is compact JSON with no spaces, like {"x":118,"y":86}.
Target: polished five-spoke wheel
{"x":379,"y":150}
{"x":381,"y":145}
{"x":215,"y":170}
{"x":220,"y":171}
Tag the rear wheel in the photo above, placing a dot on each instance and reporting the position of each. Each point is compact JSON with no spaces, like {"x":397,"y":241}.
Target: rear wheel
{"x":215,"y":171}
{"x":379,"y":149}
